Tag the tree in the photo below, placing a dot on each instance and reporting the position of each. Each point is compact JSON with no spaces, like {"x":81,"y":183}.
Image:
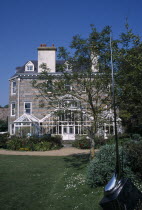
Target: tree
{"x":6,"y":106}
{"x":3,"y":125}
{"x":85,"y":75}
{"x":129,"y":80}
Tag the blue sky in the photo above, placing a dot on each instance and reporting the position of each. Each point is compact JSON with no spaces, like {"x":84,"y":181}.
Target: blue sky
{"x":25,"y":24}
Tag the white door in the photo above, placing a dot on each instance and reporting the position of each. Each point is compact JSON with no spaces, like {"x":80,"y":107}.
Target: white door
{"x":68,"y":132}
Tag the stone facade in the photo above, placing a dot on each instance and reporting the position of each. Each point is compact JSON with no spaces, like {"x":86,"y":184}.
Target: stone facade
{"x":27,"y":111}
{"x":25,"y":93}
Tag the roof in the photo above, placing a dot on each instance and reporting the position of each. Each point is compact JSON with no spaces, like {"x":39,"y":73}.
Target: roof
{"x":21,"y":73}
{"x":20,"y":70}
{"x":26,"y":118}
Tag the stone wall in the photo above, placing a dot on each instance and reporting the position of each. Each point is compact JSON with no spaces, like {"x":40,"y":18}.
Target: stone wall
{"x":27,"y":94}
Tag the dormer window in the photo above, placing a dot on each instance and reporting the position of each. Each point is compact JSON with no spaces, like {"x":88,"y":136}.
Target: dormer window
{"x":68,"y":66}
{"x":29,"y":66}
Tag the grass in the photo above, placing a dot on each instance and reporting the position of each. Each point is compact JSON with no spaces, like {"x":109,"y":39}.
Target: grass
{"x":51,"y":183}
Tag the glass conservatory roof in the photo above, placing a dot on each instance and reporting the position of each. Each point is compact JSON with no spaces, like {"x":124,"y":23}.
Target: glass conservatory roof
{"x":27,"y":118}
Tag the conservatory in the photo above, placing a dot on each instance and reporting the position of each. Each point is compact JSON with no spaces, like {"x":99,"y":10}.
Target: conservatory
{"x":25,"y":125}
{"x":69,"y":119}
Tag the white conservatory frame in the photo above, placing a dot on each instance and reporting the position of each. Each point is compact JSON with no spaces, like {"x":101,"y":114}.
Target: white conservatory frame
{"x":70,"y":122}
{"x":26,"y":121}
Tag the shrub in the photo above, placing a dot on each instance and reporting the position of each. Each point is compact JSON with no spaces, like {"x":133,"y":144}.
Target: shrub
{"x":44,"y":138}
{"x":110,"y":140}
{"x":134,"y":153}
{"x":76,"y":143}
{"x":45,"y":142}
{"x":24,"y":149}
{"x":102,"y":167}
{"x":14,"y":143}
{"x":82,"y":143}
{"x":99,"y":141}
{"x":136,"y":137}
{"x":3,"y":140}
{"x":34,"y":143}
{"x":124,"y":141}
{"x":3,"y":125}
{"x":43,"y":146}
{"x":124,"y":136}
{"x":34,"y":139}
{"x":56,"y":140}
{"x":121,"y":140}
{"x":18,"y":143}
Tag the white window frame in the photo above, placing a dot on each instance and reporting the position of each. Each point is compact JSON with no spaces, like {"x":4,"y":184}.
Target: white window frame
{"x":28,"y":66}
{"x":13,"y":110}
{"x":13,"y":88}
{"x":30,"y":107}
{"x":12,"y":129}
{"x":68,"y":66}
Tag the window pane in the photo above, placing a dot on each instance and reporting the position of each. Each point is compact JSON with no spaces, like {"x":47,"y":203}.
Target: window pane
{"x":111,"y":129}
{"x":65,"y":130}
{"x":13,"y":106}
{"x":13,"y":109}
{"x":71,"y":130}
{"x":28,"y":111}
{"x":27,"y":105}
{"x":30,"y":68}
{"x":14,"y":87}
{"x":28,"y":108}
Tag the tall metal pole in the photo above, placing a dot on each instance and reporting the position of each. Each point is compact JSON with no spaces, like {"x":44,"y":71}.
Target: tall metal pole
{"x":118,"y":166}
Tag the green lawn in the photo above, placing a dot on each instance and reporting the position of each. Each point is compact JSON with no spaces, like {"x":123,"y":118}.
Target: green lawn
{"x":54,"y":183}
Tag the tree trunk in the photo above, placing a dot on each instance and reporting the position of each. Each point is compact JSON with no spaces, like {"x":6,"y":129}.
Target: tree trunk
{"x":92,"y":149}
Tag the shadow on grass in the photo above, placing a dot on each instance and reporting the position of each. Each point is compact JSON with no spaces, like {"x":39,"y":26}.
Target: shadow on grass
{"x":78,"y":161}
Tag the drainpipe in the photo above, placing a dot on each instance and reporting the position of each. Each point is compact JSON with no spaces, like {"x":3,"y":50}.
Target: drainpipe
{"x":18,"y":97}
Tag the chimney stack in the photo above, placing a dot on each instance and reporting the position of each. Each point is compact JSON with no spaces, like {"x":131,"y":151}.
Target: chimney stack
{"x":47,"y":55}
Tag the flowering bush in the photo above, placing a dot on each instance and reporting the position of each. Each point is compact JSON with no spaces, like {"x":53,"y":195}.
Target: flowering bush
{"x":102,"y":167}
{"x":82,"y":143}
{"x":24,"y":149}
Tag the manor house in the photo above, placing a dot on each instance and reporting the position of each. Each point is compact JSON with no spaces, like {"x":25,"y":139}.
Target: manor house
{"x":29,"y":114}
